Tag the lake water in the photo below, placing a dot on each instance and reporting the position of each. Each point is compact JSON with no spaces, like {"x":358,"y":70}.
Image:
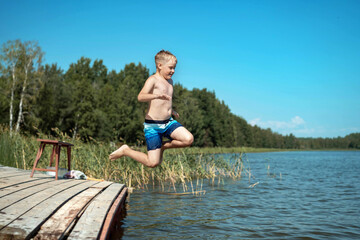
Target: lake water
{"x":304,"y":195}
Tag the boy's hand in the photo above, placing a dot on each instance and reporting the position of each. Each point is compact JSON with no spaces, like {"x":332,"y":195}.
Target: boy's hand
{"x":175,"y":114}
{"x":164,"y":97}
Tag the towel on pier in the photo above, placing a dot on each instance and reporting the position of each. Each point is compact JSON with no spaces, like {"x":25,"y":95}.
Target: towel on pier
{"x":75,"y":174}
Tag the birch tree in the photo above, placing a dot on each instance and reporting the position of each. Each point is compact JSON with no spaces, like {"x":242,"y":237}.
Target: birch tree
{"x":10,"y":56}
{"x":30,"y":53}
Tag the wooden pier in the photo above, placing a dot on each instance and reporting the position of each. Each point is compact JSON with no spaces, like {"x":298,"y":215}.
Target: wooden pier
{"x":44,"y":208}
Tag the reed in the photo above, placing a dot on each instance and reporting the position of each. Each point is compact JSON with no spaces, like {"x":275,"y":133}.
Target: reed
{"x":178,"y":172}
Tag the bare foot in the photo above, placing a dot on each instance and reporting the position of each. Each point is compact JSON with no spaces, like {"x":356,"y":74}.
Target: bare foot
{"x":118,"y":153}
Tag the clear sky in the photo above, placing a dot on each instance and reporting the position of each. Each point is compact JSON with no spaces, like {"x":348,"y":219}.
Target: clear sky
{"x":292,"y":66}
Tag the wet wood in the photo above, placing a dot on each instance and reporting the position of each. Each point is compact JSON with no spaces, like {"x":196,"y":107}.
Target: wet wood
{"x":113,"y":215}
{"x":92,"y":219}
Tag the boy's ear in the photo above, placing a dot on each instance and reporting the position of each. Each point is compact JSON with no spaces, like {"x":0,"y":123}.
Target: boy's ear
{"x":159,"y":65}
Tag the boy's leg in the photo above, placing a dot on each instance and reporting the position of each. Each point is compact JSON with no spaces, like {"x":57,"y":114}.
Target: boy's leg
{"x":152,"y":159}
{"x":181,"y":137}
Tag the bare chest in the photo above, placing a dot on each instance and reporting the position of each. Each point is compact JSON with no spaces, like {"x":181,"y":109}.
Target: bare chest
{"x":163,"y":87}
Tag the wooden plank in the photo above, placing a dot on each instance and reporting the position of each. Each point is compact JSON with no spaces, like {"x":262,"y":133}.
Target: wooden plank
{"x":90,"y":223}
{"x":8,"y":182}
{"x":2,"y":167}
{"x":8,"y":169}
{"x":12,"y":174}
{"x":25,"y":193}
{"x":22,"y":185}
{"x":29,"y":223}
{"x":7,"y":179}
{"x":113,"y":215}
{"x":56,"y":226}
{"x":102,"y":184}
{"x":15,"y":210}
{"x":22,"y":217}
{"x":11,"y":170}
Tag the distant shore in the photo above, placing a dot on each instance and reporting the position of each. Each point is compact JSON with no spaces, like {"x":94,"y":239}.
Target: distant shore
{"x":219,"y":150}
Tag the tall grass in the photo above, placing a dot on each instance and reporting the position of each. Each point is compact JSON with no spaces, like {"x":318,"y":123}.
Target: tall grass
{"x":179,"y":170}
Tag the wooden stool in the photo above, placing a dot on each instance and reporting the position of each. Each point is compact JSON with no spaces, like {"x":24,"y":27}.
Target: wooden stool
{"x":56,"y":151}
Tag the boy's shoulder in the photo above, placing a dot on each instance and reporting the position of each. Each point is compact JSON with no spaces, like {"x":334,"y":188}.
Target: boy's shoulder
{"x":153,"y":78}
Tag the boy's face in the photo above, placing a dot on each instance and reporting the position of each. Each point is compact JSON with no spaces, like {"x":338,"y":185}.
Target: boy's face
{"x":167,"y":69}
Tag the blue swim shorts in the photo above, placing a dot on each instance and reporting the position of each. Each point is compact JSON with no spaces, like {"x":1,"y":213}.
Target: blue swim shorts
{"x":155,"y":130}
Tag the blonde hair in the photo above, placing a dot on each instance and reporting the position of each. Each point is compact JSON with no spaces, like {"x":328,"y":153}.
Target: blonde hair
{"x":163,"y":57}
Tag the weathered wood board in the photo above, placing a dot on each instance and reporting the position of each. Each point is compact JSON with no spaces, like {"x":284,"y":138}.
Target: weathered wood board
{"x":15,"y":210}
{"x":10,"y":174}
{"x":32,"y":220}
{"x":56,"y":226}
{"x":12,"y":188}
{"x":31,"y":192}
{"x":6,"y":182}
{"x":113,"y":215}
{"x":92,"y":219}
{"x":43,"y":208}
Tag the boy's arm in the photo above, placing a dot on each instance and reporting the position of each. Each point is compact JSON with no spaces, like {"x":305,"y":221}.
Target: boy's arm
{"x":146,"y":94}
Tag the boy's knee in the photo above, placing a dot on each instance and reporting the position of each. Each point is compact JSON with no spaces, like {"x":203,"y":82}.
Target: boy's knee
{"x":189,"y":139}
{"x":153,"y":164}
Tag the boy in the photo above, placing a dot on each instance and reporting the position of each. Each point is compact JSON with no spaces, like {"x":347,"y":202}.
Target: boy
{"x":158,"y":91}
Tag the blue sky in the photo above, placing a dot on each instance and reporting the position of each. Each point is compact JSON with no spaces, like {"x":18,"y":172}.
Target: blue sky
{"x":292,"y":66}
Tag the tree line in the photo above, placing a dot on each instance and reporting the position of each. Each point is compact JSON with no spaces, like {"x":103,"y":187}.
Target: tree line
{"x":89,"y":101}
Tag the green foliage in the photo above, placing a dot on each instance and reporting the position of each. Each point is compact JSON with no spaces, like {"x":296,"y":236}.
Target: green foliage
{"x":191,"y":114}
{"x":4,"y":100}
{"x":89,"y":102}
{"x":130,"y":112}
{"x":47,"y":104}
{"x":351,"y":141}
{"x":354,"y":140}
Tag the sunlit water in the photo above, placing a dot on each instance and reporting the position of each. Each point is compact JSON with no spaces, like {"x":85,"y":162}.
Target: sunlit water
{"x":304,"y":195}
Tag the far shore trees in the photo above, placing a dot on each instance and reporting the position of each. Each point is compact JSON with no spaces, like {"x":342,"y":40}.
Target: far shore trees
{"x":89,"y":102}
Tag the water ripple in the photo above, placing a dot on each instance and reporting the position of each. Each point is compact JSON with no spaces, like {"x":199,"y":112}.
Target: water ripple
{"x":317,"y":197}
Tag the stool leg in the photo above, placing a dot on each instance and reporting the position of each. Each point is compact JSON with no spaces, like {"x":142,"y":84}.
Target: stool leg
{"x":69,"y":157}
{"x":57,"y":160}
{"x":52,"y":155}
{"x":38,"y":155}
